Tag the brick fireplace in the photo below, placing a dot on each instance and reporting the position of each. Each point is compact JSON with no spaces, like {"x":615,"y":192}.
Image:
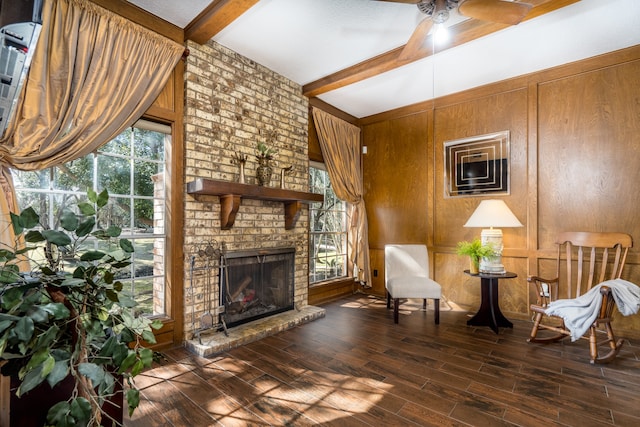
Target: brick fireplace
{"x":231,"y":104}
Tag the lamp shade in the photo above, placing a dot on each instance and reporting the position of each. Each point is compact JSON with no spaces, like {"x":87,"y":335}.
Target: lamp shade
{"x":493,"y":213}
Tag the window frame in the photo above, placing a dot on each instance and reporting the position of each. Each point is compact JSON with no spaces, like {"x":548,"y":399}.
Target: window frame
{"x":340,"y":238}
{"x":53,"y":190}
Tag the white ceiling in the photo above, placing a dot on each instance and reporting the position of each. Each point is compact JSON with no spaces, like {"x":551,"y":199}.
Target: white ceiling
{"x":305,"y":40}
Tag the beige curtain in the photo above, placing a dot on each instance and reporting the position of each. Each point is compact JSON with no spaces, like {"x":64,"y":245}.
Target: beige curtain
{"x":340,"y":144}
{"x":92,"y":75}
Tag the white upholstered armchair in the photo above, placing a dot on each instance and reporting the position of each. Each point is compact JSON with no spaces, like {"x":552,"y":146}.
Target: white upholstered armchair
{"x":407,"y":276}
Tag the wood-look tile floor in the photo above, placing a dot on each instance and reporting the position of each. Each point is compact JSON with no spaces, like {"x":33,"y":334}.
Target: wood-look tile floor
{"x":355,"y":367}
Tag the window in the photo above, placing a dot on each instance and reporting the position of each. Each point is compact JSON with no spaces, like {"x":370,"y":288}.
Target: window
{"x":328,"y":232}
{"x":131,"y":167}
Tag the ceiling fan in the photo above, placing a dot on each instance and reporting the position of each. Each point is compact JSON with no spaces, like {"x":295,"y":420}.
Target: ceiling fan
{"x":437,"y":12}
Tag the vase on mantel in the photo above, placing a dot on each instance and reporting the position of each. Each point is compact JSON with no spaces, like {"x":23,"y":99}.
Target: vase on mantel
{"x":264,"y":171}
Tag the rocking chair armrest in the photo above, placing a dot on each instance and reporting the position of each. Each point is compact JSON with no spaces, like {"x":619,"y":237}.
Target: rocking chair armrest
{"x":546,"y":289}
{"x":608,"y":303}
{"x":605,"y":290}
{"x":532,"y":279}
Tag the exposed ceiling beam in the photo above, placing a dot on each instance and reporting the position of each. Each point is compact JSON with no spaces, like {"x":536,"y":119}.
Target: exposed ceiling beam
{"x":462,"y":33}
{"x":214,"y":18}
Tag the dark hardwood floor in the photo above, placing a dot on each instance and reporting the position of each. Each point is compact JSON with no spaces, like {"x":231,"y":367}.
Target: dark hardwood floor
{"x":355,"y":367}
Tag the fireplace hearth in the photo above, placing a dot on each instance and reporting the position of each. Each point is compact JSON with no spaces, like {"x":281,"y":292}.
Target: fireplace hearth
{"x":256,"y":284}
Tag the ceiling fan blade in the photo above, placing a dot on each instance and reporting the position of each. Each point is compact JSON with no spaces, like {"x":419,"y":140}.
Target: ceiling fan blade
{"x":417,"y":39}
{"x":504,"y":12}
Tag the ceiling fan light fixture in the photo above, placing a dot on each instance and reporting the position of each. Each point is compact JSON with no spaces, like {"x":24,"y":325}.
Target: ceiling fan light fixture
{"x":440,"y":16}
{"x":440,"y":34}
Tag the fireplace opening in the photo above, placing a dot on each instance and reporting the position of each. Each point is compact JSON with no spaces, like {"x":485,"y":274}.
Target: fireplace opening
{"x":256,"y":284}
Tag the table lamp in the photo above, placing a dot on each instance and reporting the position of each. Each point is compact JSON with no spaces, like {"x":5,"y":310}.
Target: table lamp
{"x":492,"y":213}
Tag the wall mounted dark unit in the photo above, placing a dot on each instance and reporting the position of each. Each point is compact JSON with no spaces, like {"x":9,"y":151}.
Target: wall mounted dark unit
{"x":19,"y":30}
{"x":15,"y":11}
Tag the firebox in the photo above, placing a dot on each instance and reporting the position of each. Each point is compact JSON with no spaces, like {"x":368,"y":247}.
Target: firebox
{"x":256,"y":284}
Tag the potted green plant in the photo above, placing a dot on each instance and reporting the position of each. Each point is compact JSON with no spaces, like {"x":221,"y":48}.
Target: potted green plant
{"x":474,"y":250}
{"x":75,"y":321}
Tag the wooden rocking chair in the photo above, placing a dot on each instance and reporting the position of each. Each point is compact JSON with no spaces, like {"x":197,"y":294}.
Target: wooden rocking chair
{"x":589,"y":259}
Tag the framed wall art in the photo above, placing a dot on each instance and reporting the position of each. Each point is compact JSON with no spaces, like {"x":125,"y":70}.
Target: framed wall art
{"x":478,"y":165}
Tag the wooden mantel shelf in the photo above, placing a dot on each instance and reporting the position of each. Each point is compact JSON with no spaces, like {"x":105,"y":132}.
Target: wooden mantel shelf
{"x":231,"y":193}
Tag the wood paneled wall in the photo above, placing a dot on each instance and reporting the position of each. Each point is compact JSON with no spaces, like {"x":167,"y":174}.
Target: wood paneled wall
{"x":575,"y":165}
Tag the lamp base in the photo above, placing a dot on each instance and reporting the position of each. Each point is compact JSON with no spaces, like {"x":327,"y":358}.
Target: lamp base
{"x":492,"y":265}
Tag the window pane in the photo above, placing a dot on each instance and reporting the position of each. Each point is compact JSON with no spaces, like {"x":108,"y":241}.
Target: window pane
{"x":76,"y":175}
{"x":143,"y":294}
{"x":114,"y":174}
{"x":144,"y":215}
{"x":144,"y":172}
{"x":149,"y":144}
{"x":116,"y":213}
{"x":35,"y":179}
{"x":121,"y":144}
{"x":37,"y":200}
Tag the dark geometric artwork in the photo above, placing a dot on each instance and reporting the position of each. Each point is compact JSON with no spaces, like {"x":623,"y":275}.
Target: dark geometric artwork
{"x":477,"y":165}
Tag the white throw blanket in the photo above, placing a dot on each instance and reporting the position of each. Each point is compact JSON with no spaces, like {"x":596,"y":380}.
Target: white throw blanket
{"x":580,"y":313}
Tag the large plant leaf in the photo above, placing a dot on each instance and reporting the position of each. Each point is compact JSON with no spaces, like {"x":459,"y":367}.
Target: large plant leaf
{"x":120,"y":353}
{"x":58,"y":373}
{"x":86,"y":226}
{"x":24,"y":329}
{"x":149,"y":337}
{"x":92,"y":371}
{"x":103,"y":198}
{"x":113,"y":231}
{"x":137,"y":368}
{"x":146,"y":356}
{"x":109,"y":347}
{"x":69,"y":220}
{"x":29,"y":218}
{"x":127,"y":362}
{"x":6,"y":255}
{"x":38,"y":359}
{"x":133,"y":400}
{"x":32,"y":380}
{"x":63,"y":414}
{"x":48,"y":338}
{"x":17,"y":224}
{"x":34,"y":236}
{"x":56,"y":237}
{"x":92,"y":195}
{"x":4,"y":324}
{"x":86,"y":209}
{"x":38,"y":315}
{"x":126,"y":246}
{"x":92,"y":256}
{"x":58,"y":415}
{"x":57,"y":310}
{"x":9,"y":273}
{"x":81,"y":411}
{"x":126,"y":301}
